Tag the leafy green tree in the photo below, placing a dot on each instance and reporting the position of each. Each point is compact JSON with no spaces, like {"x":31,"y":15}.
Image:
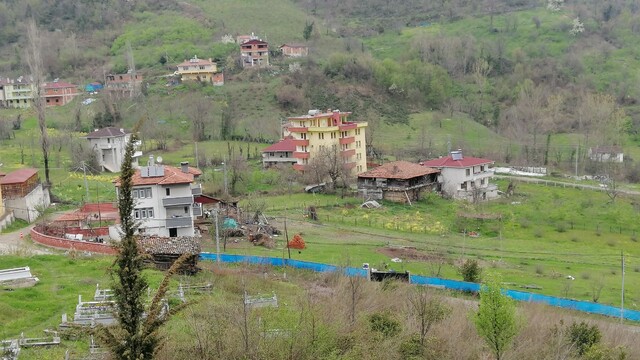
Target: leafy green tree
{"x":471,"y":271}
{"x":495,"y":319}
{"x":308,"y":30}
{"x":583,"y":336}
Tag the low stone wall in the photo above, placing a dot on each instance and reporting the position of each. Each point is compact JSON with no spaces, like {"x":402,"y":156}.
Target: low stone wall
{"x":61,"y":243}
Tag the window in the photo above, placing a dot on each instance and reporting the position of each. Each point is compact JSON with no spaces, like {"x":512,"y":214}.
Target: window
{"x":142,"y":193}
{"x":143,"y":213}
{"x":468,"y":171}
{"x":481,"y":167}
{"x":303,"y":136}
{"x":186,"y":209}
{"x":321,"y":136}
{"x":168,"y":191}
{"x":482,"y":181}
{"x":357,"y":131}
{"x":359,"y":156}
{"x":333,"y":135}
{"x":201,"y":67}
{"x":463,"y":186}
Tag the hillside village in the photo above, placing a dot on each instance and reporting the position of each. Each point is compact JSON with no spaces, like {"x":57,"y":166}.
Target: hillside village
{"x":441,"y":166}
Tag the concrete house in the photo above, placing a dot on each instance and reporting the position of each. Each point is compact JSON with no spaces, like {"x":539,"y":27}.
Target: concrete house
{"x":322,"y":131}
{"x":164,"y":199}
{"x":109,"y":144}
{"x":399,"y":181}
{"x":279,"y":153}
{"x":254,"y":52}
{"x":465,"y":178}
{"x":129,"y":84}
{"x":294,"y":50}
{"x":606,"y":154}
{"x":23,"y":194}
{"x":201,"y":70}
{"x":59,"y":93}
{"x":17,"y":94}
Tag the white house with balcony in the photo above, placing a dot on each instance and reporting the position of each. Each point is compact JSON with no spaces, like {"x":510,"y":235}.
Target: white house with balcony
{"x":164,"y":199}
{"x":109,"y":144}
{"x":465,"y":178}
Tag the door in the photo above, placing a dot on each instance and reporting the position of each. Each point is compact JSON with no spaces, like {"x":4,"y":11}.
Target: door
{"x":173,"y":232}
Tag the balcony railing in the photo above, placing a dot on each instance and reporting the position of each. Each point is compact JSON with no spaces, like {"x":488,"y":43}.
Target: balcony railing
{"x":197,"y":210}
{"x":179,"y":222}
{"x":301,"y":155}
{"x":196,"y":190}
{"x":177,"y":201}
{"x":348,"y":153}
{"x":347,"y":140}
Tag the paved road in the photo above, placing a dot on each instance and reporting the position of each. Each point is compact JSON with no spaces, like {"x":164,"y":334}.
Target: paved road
{"x":564,"y":184}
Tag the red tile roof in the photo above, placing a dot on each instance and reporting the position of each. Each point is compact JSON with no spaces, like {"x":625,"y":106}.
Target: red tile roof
{"x":18,"y":176}
{"x":254,"y":42}
{"x":286,"y":144}
{"x":398,"y":170}
{"x":293,"y":45}
{"x":196,"y":61}
{"x":172,"y":175}
{"x":465,"y":162}
{"x":107,"y":132}
{"x":58,"y":85}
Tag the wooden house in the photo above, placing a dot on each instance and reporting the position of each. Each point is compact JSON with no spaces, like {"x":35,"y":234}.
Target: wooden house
{"x":398,"y":181}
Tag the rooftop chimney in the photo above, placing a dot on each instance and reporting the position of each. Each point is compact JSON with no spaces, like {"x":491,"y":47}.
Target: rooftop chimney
{"x":151,"y":162}
{"x":184,"y":166}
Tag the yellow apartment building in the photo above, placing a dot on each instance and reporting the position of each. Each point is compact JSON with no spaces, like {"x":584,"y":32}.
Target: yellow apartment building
{"x":198,"y":70}
{"x":319,"y":133}
{"x":16,"y":93}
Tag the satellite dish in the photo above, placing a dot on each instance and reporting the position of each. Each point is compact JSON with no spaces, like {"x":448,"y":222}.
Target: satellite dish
{"x":159,"y":159}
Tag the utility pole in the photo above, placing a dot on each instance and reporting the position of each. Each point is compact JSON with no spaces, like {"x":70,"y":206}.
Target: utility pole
{"x":86,"y":185}
{"x":577,"y":152}
{"x":215,"y":214}
{"x":286,"y":234}
{"x":622,"y":294}
{"x":224,"y":169}
{"x":196,"y":151}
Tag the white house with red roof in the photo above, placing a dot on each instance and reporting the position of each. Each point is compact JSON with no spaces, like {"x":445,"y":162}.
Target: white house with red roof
{"x":279,"y":153}
{"x":465,"y":178}
{"x":109,"y":145}
{"x":254,"y":52}
{"x":164,"y":199}
{"x":23,"y":194}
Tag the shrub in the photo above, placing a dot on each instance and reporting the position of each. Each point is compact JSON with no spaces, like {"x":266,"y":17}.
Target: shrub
{"x":561,"y":227}
{"x":539,"y":269}
{"x":384,"y":324}
{"x":471,"y":271}
{"x":583,"y":336}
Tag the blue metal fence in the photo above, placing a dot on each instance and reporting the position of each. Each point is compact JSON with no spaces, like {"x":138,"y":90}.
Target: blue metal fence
{"x":577,"y":305}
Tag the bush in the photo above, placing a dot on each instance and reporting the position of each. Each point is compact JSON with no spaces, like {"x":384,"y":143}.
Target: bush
{"x":471,"y":271}
{"x":384,"y":324}
{"x":583,"y":336}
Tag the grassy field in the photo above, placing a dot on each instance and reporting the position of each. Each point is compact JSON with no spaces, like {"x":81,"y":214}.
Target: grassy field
{"x":545,"y":234}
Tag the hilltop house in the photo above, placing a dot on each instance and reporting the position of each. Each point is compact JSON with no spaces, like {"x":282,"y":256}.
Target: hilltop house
{"x":465,"y":178}
{"x":109,"y":144}
{"x":23,"y":194}
{"x":399,"y":181}
{"x":59,"y":93}
{"x":129,"y":84}
{"x":606,"y":154}
{"x":254,"y":52}
{"x":318,"y":133}
{"x":164,"y":199}
{"x":201,"y":70}
{"x":279,"y":153}
{"x":16,"y":93}
{"x":294,"y":50}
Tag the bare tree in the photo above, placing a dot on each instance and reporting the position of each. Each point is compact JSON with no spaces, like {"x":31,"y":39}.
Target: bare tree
{"x":34,"y":60}
{"x":427,"y":310}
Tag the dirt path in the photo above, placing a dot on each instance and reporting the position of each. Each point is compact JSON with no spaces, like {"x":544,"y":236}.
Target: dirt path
{"x":12,"y":243}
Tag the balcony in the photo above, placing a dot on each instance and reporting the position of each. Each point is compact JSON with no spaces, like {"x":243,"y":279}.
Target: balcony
{"x":296,"y":129}
{"x":197,"y":210}
{"x":179,"y":222}
{"x":348,"y":126}
{"x":349,"y":165}
{"x":177,"y":201}
{"x":196,"y":190}
{"x":301,"y":142}
{"x":298,"y":167}
{"x":300,"y":155}
{"x":347,"y":140}
{"x":348,"y":153}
